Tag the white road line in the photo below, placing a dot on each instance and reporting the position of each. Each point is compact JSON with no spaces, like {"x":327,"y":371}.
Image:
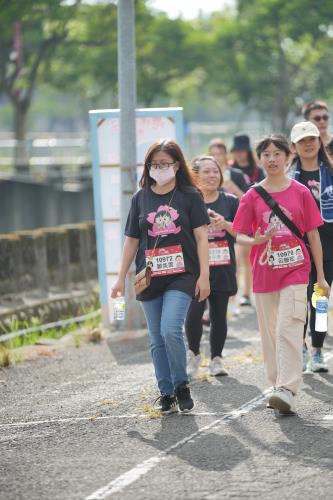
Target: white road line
{"x":93,"y":418}
{"x":144,"y":467}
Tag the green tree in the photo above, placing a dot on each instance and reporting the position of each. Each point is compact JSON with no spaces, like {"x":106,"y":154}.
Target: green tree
{"x":30,"y":30}
{"x":273,"y":54}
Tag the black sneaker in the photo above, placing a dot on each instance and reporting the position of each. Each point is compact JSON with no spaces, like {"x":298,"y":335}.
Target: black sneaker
{"x":168,"y":404}
{"x":184,"y":398}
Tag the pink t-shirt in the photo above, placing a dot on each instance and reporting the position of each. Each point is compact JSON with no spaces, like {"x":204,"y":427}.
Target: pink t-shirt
{"x":285,"y":260}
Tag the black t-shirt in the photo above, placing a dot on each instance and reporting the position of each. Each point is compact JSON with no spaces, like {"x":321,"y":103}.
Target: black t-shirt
{"x":223,"y":277}
{"x":312,"y":181}
{"x":150,"y":218}
{"x":251,"y":174}
{"x":238,"y":178}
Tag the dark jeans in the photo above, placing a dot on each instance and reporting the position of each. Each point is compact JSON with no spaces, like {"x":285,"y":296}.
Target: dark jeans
{"x":317,"y":337}
{"x":218,"y":305}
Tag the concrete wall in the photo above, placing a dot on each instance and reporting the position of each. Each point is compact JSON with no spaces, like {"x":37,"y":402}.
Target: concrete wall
{"x":28,"y":204}
{"x":47,"y":260}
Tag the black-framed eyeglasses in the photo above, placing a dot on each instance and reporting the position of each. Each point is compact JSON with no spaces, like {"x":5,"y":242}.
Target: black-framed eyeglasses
{"x":160,"y":166}
{"x":317,"y":118}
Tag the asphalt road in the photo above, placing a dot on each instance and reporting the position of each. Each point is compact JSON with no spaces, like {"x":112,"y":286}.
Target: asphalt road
{"x":78,"y":423}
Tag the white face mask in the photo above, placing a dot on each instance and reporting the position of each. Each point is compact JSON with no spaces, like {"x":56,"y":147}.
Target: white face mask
{"x":162,"y":176}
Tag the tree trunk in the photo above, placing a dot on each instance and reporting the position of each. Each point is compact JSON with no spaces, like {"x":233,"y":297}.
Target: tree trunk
{"x":21,"y":156}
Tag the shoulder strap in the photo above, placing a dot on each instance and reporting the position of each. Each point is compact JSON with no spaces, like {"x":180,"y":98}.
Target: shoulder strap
{"x":277,"y":210}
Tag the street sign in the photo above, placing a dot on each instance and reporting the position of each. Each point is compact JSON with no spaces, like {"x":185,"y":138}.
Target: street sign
{"x":151,"y":125}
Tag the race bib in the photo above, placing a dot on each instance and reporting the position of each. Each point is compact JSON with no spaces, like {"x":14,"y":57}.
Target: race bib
{"x":219,"y":253}
{"x":287,"y":254}
{"x":166,"y":260}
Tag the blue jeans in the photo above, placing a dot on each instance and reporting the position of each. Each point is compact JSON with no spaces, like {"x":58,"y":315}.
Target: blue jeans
{"x":165,"y":317}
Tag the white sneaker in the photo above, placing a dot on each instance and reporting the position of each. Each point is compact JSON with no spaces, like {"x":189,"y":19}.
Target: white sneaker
{"x":317,"y":363}
{"x":283,"y":400}
{"x":193,"y":363}
{"x":268,"y":395}
{"x":216,"y":367}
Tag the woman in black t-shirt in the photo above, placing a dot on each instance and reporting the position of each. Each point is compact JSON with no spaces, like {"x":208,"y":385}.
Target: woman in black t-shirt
{"x":167,"y":224}
{"x":312,"y":167}
{"x":221,"y":208}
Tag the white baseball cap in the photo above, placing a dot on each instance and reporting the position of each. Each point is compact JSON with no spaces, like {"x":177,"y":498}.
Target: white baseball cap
{"x":303,"y":129}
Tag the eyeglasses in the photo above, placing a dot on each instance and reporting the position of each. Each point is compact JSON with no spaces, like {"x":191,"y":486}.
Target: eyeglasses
{"x":160,"y":166}
{"x":317,"y":118}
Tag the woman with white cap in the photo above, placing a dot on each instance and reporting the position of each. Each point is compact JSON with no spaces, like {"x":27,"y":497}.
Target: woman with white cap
{"x":312,"y":167}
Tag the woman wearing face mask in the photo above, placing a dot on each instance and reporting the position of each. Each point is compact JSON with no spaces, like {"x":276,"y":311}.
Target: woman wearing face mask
{"x":221,"y":208}
{"x":281,"y":267}
{"x":167,"y":224}
{"x":244,"y":161}
{"x":313,"y":168}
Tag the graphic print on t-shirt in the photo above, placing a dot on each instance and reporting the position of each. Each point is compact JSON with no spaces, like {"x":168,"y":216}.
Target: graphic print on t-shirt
{"x":272,"y":220}
{"x":212,"y":233}
{"x":283,"y":250}
{"x":163,"y":221}
{"x":314,"y":187}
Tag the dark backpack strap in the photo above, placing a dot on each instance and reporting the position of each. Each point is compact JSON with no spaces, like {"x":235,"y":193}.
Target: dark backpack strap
{"x":277,"y":210}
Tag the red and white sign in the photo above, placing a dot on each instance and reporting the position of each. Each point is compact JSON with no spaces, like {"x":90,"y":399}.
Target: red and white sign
{"x":166,"y":260}
{"x":219,"y":253}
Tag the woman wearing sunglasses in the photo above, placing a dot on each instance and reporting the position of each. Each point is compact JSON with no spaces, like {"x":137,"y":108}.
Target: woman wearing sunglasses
{"x":317,"y":112}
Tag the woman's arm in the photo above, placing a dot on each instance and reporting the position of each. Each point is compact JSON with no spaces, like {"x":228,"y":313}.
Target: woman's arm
{"x":258,"y":239}
{"x":317,"y":254}
{"x":202,"y":287}
{"x":130,"y":249}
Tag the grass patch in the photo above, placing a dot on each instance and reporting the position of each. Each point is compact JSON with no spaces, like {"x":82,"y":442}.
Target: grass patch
{"x":151,"y":411}
{"x":90,"y":324}
{"x":5,"y":357}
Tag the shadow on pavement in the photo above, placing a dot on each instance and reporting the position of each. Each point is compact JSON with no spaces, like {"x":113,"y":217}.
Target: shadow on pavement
{"x":130,"y":351}
{"x":318,"y":388}
{"x":208,"y":451}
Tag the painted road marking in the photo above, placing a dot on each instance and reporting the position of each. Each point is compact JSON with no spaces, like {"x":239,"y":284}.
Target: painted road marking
{"x":94,"y":418}
{"x":146,"y":466}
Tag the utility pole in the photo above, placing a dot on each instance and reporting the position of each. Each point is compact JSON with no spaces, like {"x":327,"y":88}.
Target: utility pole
{"x":127,"y":105}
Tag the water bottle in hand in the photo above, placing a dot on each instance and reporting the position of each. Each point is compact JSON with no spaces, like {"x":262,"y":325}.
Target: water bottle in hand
{"x":321,"y":314}
{"x":119,"y":308}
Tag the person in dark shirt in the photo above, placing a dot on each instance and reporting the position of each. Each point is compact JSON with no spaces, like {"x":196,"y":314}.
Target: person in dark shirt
{"x":167,"y":225}
{"x":312,"y":167}
{"x":234,"y":180}
{"x":221,"y":208}
{"x":244,"y":161}
{"x":316,"y":112}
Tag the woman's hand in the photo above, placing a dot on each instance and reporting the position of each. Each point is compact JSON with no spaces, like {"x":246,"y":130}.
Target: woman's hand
{"x":259,"y":238}
{"x":202,"y":289}
{"x":118,"y":288}
{"x":322,"y":283}
{"x":217,"y":222}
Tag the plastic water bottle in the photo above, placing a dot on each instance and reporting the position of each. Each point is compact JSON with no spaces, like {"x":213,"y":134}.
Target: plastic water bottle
{"x":321,"y":314}
{"x":119,"y":308}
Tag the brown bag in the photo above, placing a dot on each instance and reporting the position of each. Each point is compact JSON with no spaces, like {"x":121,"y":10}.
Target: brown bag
{"x":142,"y":280}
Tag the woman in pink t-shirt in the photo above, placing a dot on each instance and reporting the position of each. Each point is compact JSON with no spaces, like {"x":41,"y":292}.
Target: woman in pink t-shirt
{"x":281,"y":268}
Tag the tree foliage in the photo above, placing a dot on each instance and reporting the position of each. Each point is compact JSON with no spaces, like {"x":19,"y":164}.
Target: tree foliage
{"x":268,"y":55}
